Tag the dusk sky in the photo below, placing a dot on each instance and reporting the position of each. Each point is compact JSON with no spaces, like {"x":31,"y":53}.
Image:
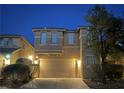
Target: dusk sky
{"x":20,"y":19}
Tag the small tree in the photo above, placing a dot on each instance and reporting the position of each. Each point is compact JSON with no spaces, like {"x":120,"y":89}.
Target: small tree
{"x":27,"y":62}
{"x":16,"y":75}
{"x":24,"y":61}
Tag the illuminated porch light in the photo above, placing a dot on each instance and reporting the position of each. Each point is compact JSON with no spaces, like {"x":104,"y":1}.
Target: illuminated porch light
{"x":8,"y":56}
{"x":30,"y":57}
{"x":36,"y":62}
{"x":78,"y":63}
{"x":7,"y":62}
{"x":36,"y":57}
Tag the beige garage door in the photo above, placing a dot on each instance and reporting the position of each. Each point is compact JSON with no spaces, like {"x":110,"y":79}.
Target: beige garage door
{"x":57,"y":68}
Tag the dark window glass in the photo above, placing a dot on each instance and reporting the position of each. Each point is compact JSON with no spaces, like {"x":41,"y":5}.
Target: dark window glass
{"x":1,"y":42}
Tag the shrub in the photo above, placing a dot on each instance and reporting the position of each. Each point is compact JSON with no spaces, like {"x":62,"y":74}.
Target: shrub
{"x":24,"y":61}
{"x":16,"y":74}
{"x":113,"y":71}
{"x":93,"y":71}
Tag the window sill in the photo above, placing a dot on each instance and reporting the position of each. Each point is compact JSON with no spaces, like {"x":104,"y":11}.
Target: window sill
{"x":53,"y":44}
{"x":42,"y":44}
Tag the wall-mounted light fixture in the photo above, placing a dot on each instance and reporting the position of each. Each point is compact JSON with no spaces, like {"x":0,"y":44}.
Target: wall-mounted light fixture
{"x":36,"y":62}
{"x":7,"y":59}
{"x":78,"y":63}
{"x":7,"y":56}
{"x":7,"y":62}
{"x":36,"y":57}
{"x":30,"y":57}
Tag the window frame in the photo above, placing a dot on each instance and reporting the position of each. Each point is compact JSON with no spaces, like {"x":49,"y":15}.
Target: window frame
{"x":91,"y":60}
{"x":89,"y":40}
{"x":54,"y":38}
{"x":44,"y":38}
{"x":1,"y":42}
{"x":70,"y":38}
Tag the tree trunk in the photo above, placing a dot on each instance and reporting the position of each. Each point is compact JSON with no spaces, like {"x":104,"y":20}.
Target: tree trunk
{"x":103,"y":59}
{"x":103,"y":70}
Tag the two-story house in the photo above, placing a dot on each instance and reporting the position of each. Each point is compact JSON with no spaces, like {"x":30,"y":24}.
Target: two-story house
{"x":58,"y":51}
{"x":61,"y":52}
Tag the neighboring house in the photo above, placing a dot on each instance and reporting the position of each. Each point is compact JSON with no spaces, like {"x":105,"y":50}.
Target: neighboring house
{"x":63,"y":53}
{"x":13,"y":47}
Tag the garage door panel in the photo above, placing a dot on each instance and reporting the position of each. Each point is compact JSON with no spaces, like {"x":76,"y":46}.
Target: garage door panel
{"x":55,"y":68}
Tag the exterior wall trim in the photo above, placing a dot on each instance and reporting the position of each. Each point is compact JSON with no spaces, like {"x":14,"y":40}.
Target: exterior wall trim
{"x":48,"y":50}
{"x":71,"y":46}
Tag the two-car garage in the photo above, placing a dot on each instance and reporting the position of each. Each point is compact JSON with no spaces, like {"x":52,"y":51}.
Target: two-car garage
{"x":58,"y":68}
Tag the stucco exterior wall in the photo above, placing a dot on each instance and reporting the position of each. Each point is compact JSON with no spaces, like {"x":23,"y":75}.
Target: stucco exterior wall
{"x":88,"y":69}
{"x":1,"y":63}
{"x":25,"y":51}
{"x":14,"y":56}
{"x":66,"y":50}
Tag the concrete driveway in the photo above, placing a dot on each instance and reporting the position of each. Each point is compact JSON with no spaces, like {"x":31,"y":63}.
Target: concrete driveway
{"x":56,"y":83}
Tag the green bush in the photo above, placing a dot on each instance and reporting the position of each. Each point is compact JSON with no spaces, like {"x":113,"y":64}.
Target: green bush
{"x":25,"y":61}
{"x":94,"y":72}
{"x":16,"y":74}
{"x":113,"y":71}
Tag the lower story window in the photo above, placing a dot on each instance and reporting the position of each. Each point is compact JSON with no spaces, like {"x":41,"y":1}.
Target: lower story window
{"x":90,"y":59}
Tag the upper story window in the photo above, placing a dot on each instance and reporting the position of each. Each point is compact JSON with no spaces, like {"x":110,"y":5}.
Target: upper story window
{"x":10,"y":42}
{"x":1,"y":42}
{"x":43,"y":38}
{"x":7,"y":42}
{"x":89,"y":40}
{"x":70,"y":38}
{"x":54,"y":38}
